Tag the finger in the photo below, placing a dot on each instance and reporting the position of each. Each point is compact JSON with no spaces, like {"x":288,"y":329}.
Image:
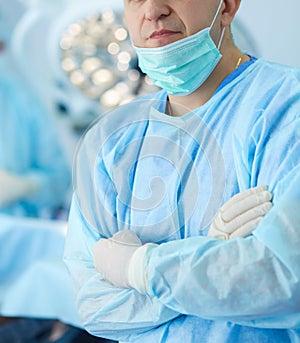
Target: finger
{"x":241,"y":204}
{"x":243,"y":195}
{"x":217,"y":222}
{"x":244,"y":218}
{"x":214,"y":232}
{"x":246,"y":229}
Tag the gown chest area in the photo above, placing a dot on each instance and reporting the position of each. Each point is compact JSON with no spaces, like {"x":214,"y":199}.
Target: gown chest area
{"x":167,"y":181}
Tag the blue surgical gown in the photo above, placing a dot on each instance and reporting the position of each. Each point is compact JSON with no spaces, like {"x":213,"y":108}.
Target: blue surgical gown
{"x":165,"y":177}
{"x":29,"y":146}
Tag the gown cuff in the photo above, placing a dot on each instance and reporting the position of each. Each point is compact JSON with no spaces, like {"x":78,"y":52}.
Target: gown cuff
{"x":138,"y":268}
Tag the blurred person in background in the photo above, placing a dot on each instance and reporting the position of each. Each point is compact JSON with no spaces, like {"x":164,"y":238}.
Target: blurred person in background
{"x":34,"y":173}
{"x":36,"y":298}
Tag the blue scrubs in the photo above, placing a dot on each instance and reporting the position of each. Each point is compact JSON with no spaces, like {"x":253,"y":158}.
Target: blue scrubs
{"x":165,"y":177}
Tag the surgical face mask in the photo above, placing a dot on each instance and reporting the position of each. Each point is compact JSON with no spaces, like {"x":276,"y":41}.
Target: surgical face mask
{"x":183,"y":66}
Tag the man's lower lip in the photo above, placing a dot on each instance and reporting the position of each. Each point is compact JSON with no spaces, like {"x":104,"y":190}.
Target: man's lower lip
{"x":163,"y":35}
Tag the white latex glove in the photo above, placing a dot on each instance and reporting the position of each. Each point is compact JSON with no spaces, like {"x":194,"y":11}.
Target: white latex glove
{"x":123,"y":261}
{"x":112,"y":256}
{"x":14,"y":187}
{"x":240,"y":215}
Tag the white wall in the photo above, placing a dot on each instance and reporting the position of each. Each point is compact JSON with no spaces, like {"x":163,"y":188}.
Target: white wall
{"x":275,"y":28}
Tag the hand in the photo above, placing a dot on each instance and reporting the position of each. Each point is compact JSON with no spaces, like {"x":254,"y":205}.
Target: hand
{"x":14,"y":187}
{"x":241,"y":214}
{"x":112,"y":256}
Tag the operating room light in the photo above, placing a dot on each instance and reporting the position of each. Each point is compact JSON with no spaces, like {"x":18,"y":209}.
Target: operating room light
{"x":97,"y":56}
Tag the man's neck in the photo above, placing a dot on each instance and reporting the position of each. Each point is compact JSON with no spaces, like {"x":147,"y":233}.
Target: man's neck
{"x":180,"y":105}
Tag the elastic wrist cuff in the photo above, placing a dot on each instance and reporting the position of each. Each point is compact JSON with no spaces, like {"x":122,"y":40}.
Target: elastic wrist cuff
{"x":138,"y":268}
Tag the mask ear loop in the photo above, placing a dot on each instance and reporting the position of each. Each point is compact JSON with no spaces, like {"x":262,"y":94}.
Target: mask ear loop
{"x":215,"y":17}
{"x":221,"y":38}
{"x":213,"y":21}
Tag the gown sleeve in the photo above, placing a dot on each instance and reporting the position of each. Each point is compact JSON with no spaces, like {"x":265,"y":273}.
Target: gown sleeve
{"x":105,"y":310}
{"x":253,"y":281}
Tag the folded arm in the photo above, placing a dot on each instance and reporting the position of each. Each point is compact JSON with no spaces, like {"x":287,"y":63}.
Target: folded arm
{"x":254,"y":281}
{"x":106,"y":310}
{"x":251,"y":281}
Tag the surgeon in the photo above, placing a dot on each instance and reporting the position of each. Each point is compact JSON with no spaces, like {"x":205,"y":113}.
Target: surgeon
{"x":165,"y":185}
